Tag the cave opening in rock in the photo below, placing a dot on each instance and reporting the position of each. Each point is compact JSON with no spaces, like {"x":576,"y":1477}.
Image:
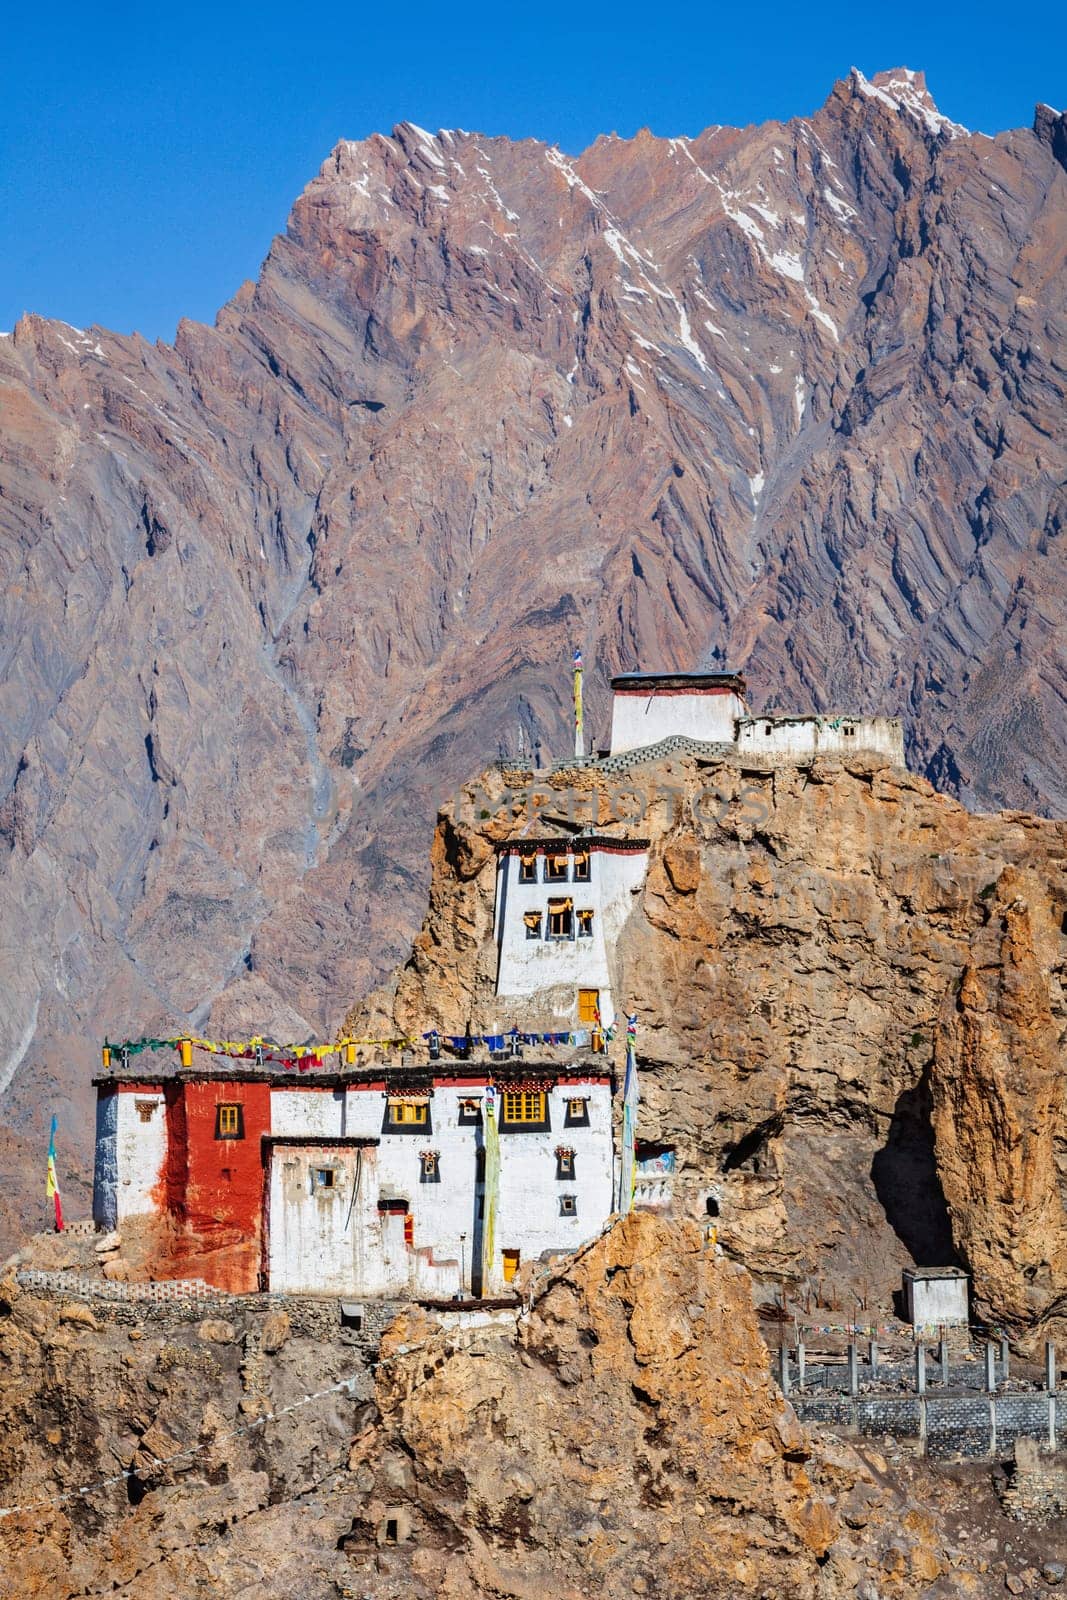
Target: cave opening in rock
{"x":905,"y":1178}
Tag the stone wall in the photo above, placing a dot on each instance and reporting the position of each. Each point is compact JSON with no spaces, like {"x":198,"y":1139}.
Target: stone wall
{"x":1036,"y":1486}
{"x":182,"y":1302}
{"x":946,"y":1425}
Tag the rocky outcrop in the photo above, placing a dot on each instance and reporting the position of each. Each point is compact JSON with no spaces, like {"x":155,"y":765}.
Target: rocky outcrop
{"x":1000,"y":1111}
{"x":790,"y":396}
{"x":850,"y":1005}
{"x":622,"y":1438}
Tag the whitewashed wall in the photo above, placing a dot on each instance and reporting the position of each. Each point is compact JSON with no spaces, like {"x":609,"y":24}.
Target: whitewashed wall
{"x":313,"y":1248}
{"x":326,"y":1241}
{"x":936,"y":1300}
{"x":527,"y":967}
{"x":528,"y":1214}
{"x":796,"y":737}
{"x":638,"y":720}
{"x":130,"y":1154}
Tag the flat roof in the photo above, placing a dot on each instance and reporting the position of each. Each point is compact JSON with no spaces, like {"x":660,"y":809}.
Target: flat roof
{"x":371,"y":1075}
{"x":649,"y":682}
{"x":313,"y":1141}
{"x":919,"y":1273}
{"x":573,"y":841}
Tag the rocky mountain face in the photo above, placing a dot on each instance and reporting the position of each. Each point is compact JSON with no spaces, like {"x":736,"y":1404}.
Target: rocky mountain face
{"x":789,"y":397}
{"x":621,"y":1437}
{"x":850,"y":995}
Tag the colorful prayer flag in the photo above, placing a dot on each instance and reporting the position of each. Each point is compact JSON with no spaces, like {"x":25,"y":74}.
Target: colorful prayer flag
{"x":578,"y":717}
{"x":52,"y":1182}
{"x":491,"y":1182}
{"x":630,"y":1098}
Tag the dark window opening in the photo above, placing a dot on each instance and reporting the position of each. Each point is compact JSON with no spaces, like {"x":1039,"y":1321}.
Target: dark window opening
{"x":470,"y":1113}
{"x":229,"y":1121}
{"x":565,"y":1165}
{"x":577,"y":1113}
{"x":407,"y":1115}
{"x":581,"y":866}
{"x":390,"y":1530}
{"x":430,"y":1167}
{"x":712,"y":1206}
{"x":848,"y":732}
{"x":325,"y":1178}
{"x":532,"y":919}
{"x":568,"y":1205}
{"x":524,"y":1111}
{"x":527,"y":869}
{"x":561,"y":919}
{"x":766,"y":730}
{"x":556,"y":869}
{"x":585,"y":924}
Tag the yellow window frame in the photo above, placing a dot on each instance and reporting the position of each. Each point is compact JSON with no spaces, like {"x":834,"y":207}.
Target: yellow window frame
{"x":229,"y":1120}
{"x":409,"y":1112}
{"x":521,"y":1105}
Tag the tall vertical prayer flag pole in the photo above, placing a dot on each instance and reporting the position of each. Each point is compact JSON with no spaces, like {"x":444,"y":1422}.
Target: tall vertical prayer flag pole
{"x":579,"y":734}
{"x":630,"y":1097}
{"x":52,"y":1185}
{"x":492,"y":1189}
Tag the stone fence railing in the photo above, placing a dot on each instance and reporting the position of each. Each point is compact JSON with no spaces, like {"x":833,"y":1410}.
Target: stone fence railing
{"x":106,"y":1289}
{"x":965,"y":1412}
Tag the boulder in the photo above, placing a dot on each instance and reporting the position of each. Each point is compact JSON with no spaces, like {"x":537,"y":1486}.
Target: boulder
{"x":275,"y":1332}
{"x":213,"y":1330}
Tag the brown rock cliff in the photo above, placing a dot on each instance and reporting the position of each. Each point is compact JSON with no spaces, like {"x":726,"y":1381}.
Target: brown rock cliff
{"x":849,"y":993}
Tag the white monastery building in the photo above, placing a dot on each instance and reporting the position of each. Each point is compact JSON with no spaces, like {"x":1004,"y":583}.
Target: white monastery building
{"x":709,"y":708}
{"x":560,"y":907}
{"x":439,"y":1180}
{"x":402,"y":1182}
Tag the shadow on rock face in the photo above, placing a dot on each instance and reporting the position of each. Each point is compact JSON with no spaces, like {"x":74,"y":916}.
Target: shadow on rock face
{"x":904,"y":1174}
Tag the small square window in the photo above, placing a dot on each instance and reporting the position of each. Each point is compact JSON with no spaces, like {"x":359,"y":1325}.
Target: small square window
{"x":577,"y":1112}
{"x":229,"y":1121}
{"x":528,"y":869}
{"x":568,"y":1205}
{"x":470,"y":1113}
{"x":408,"y":1113}
{"x":324,"y":1178}
{"x":565,"y":1166}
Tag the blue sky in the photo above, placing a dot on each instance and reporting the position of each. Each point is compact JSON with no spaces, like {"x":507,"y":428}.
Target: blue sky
{"x":149,"y":153}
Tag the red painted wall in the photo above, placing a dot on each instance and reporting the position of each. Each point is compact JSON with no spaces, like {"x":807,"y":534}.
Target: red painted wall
{"x":213,"y":1188}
